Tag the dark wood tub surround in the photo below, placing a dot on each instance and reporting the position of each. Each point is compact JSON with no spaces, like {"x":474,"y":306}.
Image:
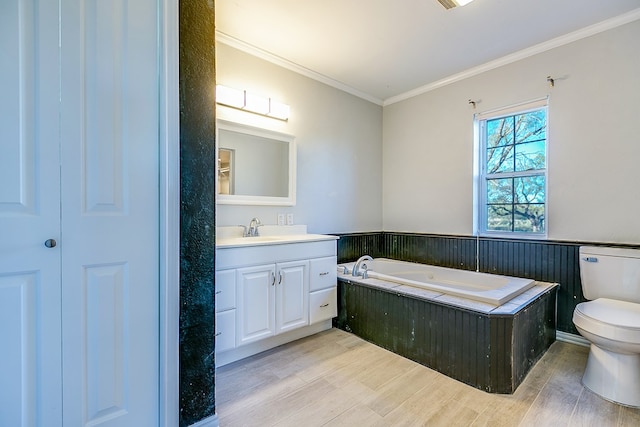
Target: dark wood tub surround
{"x":542,"y":260}
{"x":489,"y":351}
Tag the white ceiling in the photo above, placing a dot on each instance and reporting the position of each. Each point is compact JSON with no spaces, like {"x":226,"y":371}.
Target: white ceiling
{"x":383,"y":50}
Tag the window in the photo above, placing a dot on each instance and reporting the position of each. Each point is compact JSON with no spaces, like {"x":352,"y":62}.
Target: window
{"x":512,"y":177}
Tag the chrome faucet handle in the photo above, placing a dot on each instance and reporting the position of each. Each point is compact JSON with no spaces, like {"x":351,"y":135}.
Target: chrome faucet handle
{"x":253,"y":227}
{"x":244,"y":230}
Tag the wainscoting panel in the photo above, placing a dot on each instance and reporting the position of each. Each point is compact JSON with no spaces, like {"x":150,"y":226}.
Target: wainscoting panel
{"x":444,"y":251}
{"x":353,"y":246}
{"x":548,"y":261}
{"x":544,"y":261}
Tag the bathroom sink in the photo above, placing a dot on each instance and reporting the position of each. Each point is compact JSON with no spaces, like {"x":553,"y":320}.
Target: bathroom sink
{"x":255,"y":239}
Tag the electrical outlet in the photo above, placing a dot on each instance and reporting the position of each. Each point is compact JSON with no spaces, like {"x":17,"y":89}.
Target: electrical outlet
{"x":280,"y":219}
{"x":289,"y":219}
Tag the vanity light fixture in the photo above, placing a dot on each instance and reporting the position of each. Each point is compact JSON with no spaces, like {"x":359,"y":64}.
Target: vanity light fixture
{"x":450,"y":4}
{"x":242,"y":100}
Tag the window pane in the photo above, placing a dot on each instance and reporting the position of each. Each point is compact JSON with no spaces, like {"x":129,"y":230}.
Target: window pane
{"x":529,"y":218}
{"x":500,"y":159}
{"x":499,"y":218}
{"x":531,"y":126}
{"x":499,"y":132}
{"x":530,"y":156}
{"x":514,"y":171}
{"x":529,"y":189}
{"x":500,"y":190}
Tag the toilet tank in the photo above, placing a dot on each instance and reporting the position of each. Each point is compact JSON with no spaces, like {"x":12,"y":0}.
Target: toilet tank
{"x":610,"y":273}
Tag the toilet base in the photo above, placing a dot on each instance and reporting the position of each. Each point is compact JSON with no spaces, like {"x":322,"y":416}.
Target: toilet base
{"x":613,"y":376}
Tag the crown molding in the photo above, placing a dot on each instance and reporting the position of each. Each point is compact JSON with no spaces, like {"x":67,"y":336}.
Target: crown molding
{"x":522,"y":54}
{"x":505,"y":60}
{"x":262,"y":54}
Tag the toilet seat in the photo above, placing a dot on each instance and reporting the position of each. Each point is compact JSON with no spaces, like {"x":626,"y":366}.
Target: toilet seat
{"x":611,"y":319}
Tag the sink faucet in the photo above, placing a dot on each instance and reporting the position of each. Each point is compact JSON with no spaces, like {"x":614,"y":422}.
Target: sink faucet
{"x":253,"y":227}
{"x":356,"y":268}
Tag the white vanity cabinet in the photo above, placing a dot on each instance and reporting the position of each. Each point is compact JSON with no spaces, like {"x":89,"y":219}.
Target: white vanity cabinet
{"x":268,"y":294}
{"x":323,"y":299}
{"x":272,"y":299}
{"x":225,"y":310}
{"x":292,"y":295}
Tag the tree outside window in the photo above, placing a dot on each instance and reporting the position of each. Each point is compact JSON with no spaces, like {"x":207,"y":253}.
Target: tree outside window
{"x":513,"y":172}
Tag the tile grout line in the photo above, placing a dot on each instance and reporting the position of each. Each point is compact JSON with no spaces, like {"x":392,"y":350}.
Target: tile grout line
{"x":524,"y":417}
{"x":575,"y":406}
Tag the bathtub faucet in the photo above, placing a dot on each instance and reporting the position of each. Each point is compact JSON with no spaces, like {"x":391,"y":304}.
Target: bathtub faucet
{"x":356,"y":268}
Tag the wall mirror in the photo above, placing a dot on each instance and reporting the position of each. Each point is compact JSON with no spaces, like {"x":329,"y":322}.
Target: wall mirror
{"x":255,"y":166}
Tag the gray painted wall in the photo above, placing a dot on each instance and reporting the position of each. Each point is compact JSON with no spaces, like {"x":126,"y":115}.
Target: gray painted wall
{"x":594,"y":142}
{"x":409,"y":166}
{"x":339,"y":142}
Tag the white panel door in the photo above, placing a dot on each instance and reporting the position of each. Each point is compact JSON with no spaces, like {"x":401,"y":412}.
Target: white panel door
{"x":30,"y":288}
{"x":110,"y":225}
{"x":292,"y":295}
{"x":79,"y":142}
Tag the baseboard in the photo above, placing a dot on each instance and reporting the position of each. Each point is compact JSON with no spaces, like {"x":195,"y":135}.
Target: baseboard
{"x":247,"y":350}
{"x":572,"y":339}
{"x":211,"y":421}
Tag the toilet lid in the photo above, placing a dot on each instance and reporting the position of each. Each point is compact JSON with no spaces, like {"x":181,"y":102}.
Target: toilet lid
{"x":609,"y":318}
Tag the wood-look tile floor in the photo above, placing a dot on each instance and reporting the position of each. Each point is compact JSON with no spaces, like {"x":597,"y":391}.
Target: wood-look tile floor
{"x":337,"y":379}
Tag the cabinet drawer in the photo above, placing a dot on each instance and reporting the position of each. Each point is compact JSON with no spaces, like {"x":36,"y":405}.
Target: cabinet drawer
{"x":225,"y":330}
{"x":323,"y":305}
{"x":225,"y":290}
{"x":323,"y":273}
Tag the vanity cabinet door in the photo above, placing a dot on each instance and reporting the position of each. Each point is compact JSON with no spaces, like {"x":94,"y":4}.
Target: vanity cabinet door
{"x":256,"y":297}
{"x":292,"y":295}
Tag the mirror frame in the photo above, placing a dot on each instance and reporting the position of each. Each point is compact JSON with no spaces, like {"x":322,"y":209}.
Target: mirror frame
{"x":239,"y":199}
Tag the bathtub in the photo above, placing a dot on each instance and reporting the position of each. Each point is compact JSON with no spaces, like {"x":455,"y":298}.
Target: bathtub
{"x":489,"y":288}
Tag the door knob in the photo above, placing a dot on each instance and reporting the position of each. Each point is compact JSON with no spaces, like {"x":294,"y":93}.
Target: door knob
{"x":50,"y":243}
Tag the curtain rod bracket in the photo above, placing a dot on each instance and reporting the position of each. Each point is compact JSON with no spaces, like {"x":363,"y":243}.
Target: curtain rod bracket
{"x":551,"y":81}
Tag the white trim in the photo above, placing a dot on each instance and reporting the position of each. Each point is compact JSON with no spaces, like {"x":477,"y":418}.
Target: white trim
{"x":277,"y":60}
{"x":522,"y":54}
{"x":169,"y":133}
{"x":481,"y":178}
{"x":582,"y":33}
{"x":509,"y":110}
{"x":572,"y":339}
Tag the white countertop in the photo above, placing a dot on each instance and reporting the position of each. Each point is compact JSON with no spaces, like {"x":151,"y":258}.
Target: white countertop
{"x":231,"y":237}
{"x":234,"y":242}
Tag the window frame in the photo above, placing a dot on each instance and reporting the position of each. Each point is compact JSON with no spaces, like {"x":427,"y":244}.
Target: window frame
{"x":481,"y":177}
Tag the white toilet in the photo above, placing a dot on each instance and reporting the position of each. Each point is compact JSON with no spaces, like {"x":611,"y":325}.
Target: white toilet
{"x":611,"y":322}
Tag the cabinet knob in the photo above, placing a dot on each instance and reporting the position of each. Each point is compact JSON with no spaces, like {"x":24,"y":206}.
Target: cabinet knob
{"x":324,"y":305}
{"x":324,"y":273}
{"x":50,"y":243}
